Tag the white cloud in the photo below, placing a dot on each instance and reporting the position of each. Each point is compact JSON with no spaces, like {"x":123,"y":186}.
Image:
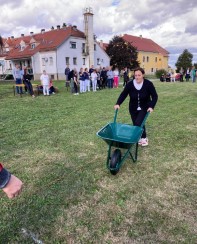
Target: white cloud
{"x":171,"y":24}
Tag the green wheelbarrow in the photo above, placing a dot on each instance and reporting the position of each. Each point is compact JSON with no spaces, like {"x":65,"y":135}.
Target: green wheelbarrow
{"x":123,"y":136}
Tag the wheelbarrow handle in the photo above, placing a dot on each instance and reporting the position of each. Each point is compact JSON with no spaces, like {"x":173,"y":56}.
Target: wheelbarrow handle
{"x":145,"y":118}
{"x":115,"y":115}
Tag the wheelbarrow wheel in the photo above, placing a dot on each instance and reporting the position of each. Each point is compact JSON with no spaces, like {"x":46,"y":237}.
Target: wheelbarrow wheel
{"x":115,"y":160}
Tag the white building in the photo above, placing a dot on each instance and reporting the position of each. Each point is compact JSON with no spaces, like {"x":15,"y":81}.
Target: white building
{"x":55,"y":49}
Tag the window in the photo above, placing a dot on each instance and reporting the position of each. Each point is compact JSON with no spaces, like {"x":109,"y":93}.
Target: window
{"x":73,"y":45}
{"x":152,"y":70}
{"x":84,"y":61}
{"x":94,"y":47}
{"x":155,"y":59}
{"x":22,"y":47}
{"x":33,"y":45}
{"x":67,"y":61}
{"x":74,"y":61}
{"x":143,"y":59}
{"x":83,"y":48}
{"x":50,"y":60}
{"x":43,"y":62}
{"x":98,"y":61}
{"x":147,"y":59}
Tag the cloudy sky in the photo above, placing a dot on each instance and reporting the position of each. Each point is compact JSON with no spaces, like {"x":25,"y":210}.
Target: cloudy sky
{"x":170,"y":23}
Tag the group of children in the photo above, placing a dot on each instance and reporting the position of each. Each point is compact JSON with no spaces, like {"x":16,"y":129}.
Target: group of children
{"x":96,"y":78}
{"x":83,"y":81}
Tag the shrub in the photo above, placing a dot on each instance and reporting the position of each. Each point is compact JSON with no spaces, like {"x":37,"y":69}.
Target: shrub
{"x":159,"y":72}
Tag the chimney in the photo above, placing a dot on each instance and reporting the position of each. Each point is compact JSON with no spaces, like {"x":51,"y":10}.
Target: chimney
{"x":141,"y":36}
{"x":58,"y":27}
{"x":12,"y":37}
{"x":101,"y":43}
{"x":88,"y":30}
{"x":31,"y":33}
{"x":22,"y":35}
{"x":42,"y":31}
{"x":74,"y":27}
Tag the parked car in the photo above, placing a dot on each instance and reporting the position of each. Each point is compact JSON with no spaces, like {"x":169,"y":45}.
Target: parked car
{"x":177,"y":76}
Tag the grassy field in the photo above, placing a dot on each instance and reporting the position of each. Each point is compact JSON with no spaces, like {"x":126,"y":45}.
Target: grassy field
{"x":69,"y":195}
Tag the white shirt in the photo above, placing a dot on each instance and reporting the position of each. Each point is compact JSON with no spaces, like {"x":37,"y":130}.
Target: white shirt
{"x":138,"y":86}
{"x":94,"y":76}
{"x":44,"y":79}
{"x":116,"y":73}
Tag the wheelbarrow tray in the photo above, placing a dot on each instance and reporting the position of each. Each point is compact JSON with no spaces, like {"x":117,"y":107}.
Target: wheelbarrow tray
{"x":120,"y":135}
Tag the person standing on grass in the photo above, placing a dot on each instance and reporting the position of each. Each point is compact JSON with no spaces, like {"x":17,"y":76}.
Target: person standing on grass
{"x":81,"y":81}
{"x":18,"y":76}
{"x":116,"y":77}
{"x":193,"y":74}
{"x":75,"y":80}
{"x":103,"y":77}
{"x":110,"y":77}
{"x":9,"y":183}
{"x":94,"y":80}
{"x":143,"y":98}
{"x":45,"y":81}
{"x":125,"y":76}
{"x":66,"y":72}
{"x":87,"y":79}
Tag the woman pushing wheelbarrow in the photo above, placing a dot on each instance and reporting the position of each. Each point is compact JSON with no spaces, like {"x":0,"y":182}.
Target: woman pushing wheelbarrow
{"x":143,"y":98}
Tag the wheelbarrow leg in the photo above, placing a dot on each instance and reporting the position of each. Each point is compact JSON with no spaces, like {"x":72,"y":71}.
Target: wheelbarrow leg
{"x":108,"y":155}
{"x":134,"y":158}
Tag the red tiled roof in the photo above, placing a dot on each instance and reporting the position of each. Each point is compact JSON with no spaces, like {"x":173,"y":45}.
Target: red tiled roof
{"x":105,"y":45}
{"x":48,"y":40}
{"x":144,"y":44}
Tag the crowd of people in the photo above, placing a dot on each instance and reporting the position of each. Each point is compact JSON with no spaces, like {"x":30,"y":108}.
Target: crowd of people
{"x":173,"y":76}
{"x":21,"y":76}
{"x":95,"y":79}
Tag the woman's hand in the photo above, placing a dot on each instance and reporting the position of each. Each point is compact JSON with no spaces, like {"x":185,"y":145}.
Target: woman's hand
{"x":116,"y":106}
{"x":150,"y":110}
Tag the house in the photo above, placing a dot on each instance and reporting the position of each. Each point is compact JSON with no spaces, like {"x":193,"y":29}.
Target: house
{"x":53,"y":50}
{"x":151,"y":56}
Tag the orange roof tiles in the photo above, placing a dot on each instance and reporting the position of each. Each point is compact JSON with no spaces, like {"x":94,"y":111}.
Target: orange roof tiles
{"x":45,"y":41}
{"x":144,"y":44}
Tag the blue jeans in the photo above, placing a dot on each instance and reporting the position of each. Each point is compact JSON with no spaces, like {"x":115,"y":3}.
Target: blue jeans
{"x":193,"y":78}
{"x":110,"y":83}
{"x":19,"y":90}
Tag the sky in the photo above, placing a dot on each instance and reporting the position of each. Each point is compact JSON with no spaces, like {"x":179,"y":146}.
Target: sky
{"x":170,"y":23}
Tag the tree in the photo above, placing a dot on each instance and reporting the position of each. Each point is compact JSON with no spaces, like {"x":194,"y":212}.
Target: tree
{"x":160,"y":72}
{"x":184,"y":61}
{"x":122,"y":53}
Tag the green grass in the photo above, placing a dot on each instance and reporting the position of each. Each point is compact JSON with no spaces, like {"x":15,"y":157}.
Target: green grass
{"x":69,"y":195}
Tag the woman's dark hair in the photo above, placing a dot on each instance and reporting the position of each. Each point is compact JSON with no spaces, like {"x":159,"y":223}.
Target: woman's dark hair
{"x":139,"y":69}
{"x":25,"y":72}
